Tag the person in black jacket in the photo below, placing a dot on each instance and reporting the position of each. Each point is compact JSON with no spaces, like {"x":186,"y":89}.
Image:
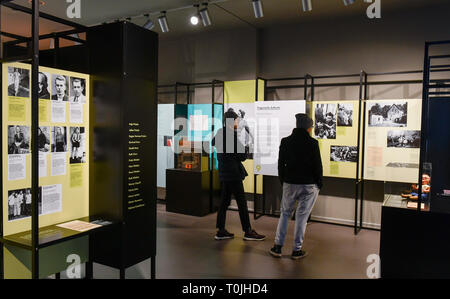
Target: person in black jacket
{"x":230,"y":155}
{"x":300,"y":173}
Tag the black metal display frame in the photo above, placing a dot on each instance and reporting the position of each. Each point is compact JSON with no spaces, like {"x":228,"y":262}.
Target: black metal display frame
{"x":363,"y":84}
{"x":190,"y":88}
{"x":32,"y":46}
{"x":30,"y":53}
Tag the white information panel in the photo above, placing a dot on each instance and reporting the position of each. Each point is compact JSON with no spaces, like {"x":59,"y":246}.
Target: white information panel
{"x":274,"y":121}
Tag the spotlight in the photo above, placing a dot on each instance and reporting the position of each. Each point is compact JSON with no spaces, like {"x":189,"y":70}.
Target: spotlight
{"x":307,"y":5}
{"x":76,"y":35}
{"x":348,"y":2}
{"x":194,"y":20}
{"x":162,"y":20}
{"x":52,"y":44}
{"x":204,"y":14}
{"x":258,"y":8}
{"x":149,"y":25}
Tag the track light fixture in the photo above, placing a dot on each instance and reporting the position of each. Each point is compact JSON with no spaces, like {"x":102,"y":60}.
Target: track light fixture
{"x":307,"y":5}
{"x":162,"y":20}
{"x":258,"y":8}
{"x":149,"y":25}
{"x":204,"y":15}
{"x":348,"y":2}
{"x":194,"y":19}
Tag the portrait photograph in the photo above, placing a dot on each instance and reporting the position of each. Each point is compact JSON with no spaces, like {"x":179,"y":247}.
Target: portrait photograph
{"x":18,"y":82}
{"x":77,"y":90}
{"x":18,"y":140}
{"x":59,"y":139}
{"x":60,"y":88}
{"x":325,"y":121}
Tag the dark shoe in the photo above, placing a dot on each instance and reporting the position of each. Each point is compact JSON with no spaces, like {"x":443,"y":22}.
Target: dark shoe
{"x":298,"y":254}
{"x":253,"y":236}
{"x":275,"y":251}
{"x":223,"y":235}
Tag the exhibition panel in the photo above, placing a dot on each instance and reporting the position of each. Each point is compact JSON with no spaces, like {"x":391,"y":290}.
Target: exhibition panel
{"x":336,"y":128}
{"x":274,"y":121}
{"x":241,"y":95}
{"x":392,"y":142}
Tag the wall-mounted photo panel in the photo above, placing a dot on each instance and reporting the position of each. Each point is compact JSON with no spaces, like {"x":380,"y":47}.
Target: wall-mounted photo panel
{"x":339,"y":154}
{"x":62,"y":199}
{"x":247,"y":123}
{"x":392,"y":154}
{"x":275,"y":120}
{"x":325,"y":121}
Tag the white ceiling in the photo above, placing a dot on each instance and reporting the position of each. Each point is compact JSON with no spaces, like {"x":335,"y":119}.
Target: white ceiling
{"x":239,"y":13}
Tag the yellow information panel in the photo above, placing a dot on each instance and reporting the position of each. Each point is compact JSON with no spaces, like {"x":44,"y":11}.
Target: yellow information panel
{"x":392,"y":148}
{"x":240,"y":96}
{"x":63,"y":141}
{"x":336,"y":129}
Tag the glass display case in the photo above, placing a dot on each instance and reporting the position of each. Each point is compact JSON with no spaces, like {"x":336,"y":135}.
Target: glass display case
{"x":406,"y":195}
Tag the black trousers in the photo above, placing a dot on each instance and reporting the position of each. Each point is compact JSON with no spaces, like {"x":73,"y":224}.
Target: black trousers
{"x":235,"y":188}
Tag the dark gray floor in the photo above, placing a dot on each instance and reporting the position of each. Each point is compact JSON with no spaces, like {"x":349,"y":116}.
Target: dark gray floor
{"x":186,"y":249}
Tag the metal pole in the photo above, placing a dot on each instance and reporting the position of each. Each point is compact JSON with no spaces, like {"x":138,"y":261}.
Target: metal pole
{"x":358,"y":153}
{"x":424,"y":126}
{"x":211,"y":154}
{"x":34,"y":134}
{"x":366,"y":86}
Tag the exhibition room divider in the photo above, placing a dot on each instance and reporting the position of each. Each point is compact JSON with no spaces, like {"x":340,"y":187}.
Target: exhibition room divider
{"x":95,"y":126}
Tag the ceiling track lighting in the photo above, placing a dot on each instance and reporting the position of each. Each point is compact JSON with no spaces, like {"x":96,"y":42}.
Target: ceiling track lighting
{"x":162,"y":20}
{"x":307,"y":5}
{"x":149,"y":25}
{"x":196,"y":17}
{"x":204,"y":15}
{"x":348,"y":2}
{"x":258,"y":8}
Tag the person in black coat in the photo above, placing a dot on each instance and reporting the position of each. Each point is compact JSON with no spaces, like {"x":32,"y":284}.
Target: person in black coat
{"x":230,"y":155}
{"x":300,"y":172}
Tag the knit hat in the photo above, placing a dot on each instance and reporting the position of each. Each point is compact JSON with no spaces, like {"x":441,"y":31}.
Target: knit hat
{"x":303,"y":121}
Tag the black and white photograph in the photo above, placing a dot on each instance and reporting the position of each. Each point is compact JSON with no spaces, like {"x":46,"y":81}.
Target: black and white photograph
{"x":77,"y":145}
{"x":59,"y":139}
{"x":402,"y":165}
{"x":403,"y":139}
{"x":18,"y":82}
{"x":246,"y":126}
{"x":44,"y":87}
{"x":44,"y":139}
{"x":19,"y":204}
{"x":60,"y":88}
{"x":77,"y":90}
{"x":345,"y":115}
{"x":18,"y":140}
{"x":388,"y":114}
{"x":343,"y":153}
{"x":325,"y":121}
